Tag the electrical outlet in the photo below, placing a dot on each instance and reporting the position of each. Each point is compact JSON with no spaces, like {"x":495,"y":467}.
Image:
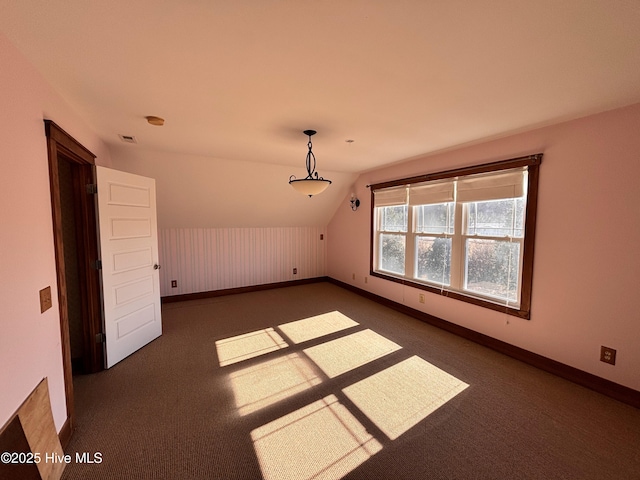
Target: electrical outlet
{"x":322,"y":236}
{"x":608,"y":355}
{"x":174,"y":283}
{"x":295,"y":271}
{"x":421,"y":298}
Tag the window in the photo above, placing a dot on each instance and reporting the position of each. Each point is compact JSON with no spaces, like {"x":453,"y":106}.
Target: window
{"x":393,"y":235}
{"x":465,"y":233}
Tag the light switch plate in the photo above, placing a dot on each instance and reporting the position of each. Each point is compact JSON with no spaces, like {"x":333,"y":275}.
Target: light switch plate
{"x":45,"y":299}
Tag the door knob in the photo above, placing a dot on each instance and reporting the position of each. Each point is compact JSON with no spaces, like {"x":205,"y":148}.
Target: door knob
{"x":156,"y":267}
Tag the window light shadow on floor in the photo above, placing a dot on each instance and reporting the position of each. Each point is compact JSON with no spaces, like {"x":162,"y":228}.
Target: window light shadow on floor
{"x":321,"y":440}
{"x":316,"y":327}
{"x":250,"y":345}
{"x":324,"y":439}
{"x":346,"y":353}
{"x":400,"y":396}
{"x":269,"y":382}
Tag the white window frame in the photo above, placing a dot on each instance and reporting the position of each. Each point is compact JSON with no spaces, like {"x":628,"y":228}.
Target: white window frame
{"x":465,"y":235}
{"x":380,"y":232}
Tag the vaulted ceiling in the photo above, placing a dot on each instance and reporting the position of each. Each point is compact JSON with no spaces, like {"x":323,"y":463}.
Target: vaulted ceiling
{"x":241,"y":80}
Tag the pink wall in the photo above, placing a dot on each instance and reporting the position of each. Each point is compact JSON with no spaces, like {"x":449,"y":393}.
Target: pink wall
{"x":583,"y":296}
{"x":587,"y":260}
{"x":29,"y":341}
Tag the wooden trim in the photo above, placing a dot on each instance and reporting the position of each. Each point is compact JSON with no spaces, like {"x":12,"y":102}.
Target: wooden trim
{"x":459,"y":172}
{"x":62,"y":147}
{"x":65,"y":434}
{"x":234,"y":291}
{"x":372,"y":239}
{"x":61,"y":278}
{"x":520,"y":313}
{"x":601,"y":385}
{"x":87,"y":243}
{"x":532,"y":162}
{"x":529,"y":239}
{"x":67,"y":144}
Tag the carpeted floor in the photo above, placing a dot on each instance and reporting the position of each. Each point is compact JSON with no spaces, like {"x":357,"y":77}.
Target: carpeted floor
{"x":313,"y":382}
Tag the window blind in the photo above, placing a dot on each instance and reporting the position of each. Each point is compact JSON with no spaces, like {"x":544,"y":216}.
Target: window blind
{"x":388,"y":197}
{"x":493,"y":186}
{"x":430,"y":193}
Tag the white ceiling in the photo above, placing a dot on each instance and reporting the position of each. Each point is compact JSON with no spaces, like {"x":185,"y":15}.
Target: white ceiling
{"x":241,"y":80}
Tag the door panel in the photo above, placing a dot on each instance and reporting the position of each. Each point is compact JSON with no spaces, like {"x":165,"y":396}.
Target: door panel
{"x":129,"y":252}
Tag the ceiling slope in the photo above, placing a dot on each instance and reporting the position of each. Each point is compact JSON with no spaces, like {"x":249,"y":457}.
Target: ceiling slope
{"x":242,"y":80}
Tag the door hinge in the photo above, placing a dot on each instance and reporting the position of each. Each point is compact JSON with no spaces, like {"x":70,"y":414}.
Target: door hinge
{"x":97,"y":265}
{"x":100,"y":338}
{"x":92,"y":188}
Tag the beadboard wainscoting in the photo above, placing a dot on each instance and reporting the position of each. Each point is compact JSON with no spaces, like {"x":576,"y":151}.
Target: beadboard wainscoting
{"x":210,"y":259}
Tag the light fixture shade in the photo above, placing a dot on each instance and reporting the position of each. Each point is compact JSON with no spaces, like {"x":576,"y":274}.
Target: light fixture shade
{"x":310,"y":186}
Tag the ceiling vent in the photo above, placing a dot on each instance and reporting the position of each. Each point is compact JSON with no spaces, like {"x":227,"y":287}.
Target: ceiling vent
{"x":128,"y":138}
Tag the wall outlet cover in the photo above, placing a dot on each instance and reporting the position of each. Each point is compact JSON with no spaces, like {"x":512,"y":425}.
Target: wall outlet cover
{"x":608,"y":355}
{"x":45,"y":299}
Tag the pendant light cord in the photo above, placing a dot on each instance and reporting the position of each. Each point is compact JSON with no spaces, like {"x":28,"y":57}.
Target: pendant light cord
{"x":310,"y":155}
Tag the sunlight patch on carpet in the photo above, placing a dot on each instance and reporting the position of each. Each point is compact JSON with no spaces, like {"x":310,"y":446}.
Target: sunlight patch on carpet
{"x":349,"y":352}
{"x":320,"y":441}
{"x":249,"y":345}
{"x":401,"y":396}
{"x":317,"y":326}
{"x":272,"y":381}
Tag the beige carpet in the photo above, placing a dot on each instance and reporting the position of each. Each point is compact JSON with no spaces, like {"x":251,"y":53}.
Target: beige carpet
{"x":314,"y":382}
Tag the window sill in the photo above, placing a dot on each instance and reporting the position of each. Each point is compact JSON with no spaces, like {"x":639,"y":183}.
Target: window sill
{"x":478,"y":301}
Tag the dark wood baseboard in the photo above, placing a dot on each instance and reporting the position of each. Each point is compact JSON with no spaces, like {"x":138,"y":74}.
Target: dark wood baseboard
{"x":65,"y":433}
{"x":606,"y":387}
{"x":234,"y":291}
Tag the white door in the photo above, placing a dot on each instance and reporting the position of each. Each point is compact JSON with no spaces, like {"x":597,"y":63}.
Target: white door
{"x":129,"y":253}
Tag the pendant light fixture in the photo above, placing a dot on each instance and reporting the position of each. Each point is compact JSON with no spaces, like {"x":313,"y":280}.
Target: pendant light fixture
{"x":312,"y":184}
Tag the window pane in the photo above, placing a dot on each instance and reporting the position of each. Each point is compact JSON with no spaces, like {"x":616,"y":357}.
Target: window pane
{"x":498,"y":218}
{"x":437,"y":218}
{"x":492,"y":268}
{"x":433,"y":259}
{"x":392,"y":253}
{"x":393,"y":219}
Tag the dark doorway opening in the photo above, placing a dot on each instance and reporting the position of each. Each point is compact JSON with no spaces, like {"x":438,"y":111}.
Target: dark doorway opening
{"x":71,"y":173}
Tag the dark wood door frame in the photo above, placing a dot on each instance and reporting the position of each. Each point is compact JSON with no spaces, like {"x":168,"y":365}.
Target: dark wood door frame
{"x":62,"y":147}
